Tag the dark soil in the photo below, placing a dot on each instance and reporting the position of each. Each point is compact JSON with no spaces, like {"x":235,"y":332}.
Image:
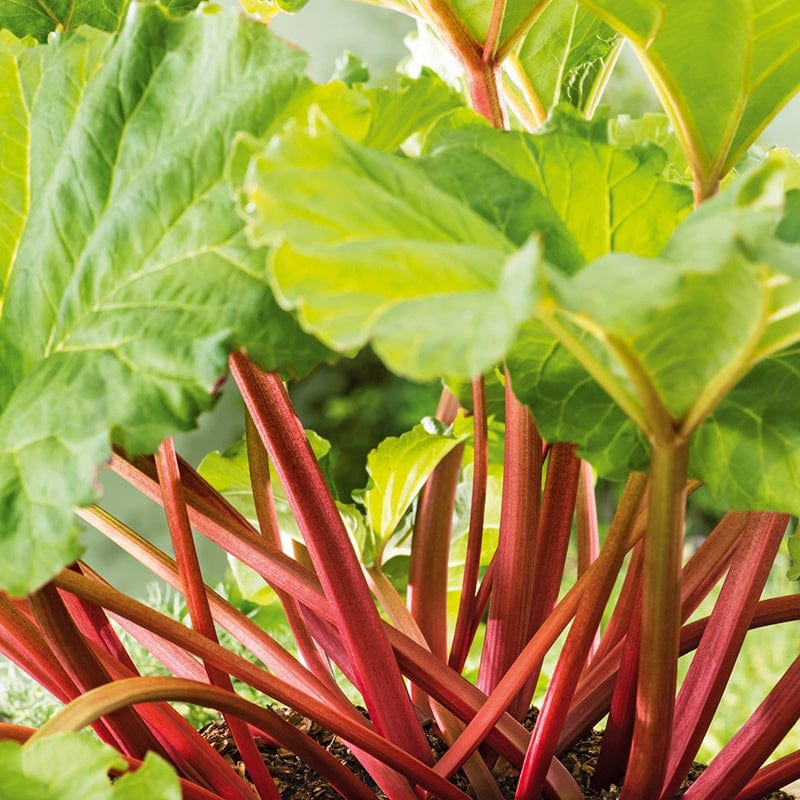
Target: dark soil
{"x":296,"y":781}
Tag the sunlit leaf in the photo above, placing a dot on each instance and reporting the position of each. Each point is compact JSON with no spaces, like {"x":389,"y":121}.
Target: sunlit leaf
{"x":369,"y":249}
{"x":398,"y":468}
{"x":566,"y":56}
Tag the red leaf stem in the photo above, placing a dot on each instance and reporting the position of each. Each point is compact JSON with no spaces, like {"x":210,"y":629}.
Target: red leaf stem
{"x":74,"y":654}
{"x":612,"y":761}
{"x":444,"y":685}
{"x":507,"y":628}
{"x":146,"y":690}
{"x":22,"y":643}
{"x":464,"y":631}
{"x":430,"y":543}
{"x":552,"y":541}
{"x":582,"y":632}
{"x":699,"y":576}
{"x":258,"y":642}
{"x":587,"y":528}
{"x":620,"y":621}
{"x":541,"y":641}
{"x":337,"y":566}
{"x":738,"y":761}
{"x":341,"y":724}
{"x":586,"y":522}
{"x":772,"y":778}
{"x":15,"y":733}
{"x":188,"y":751}
{"x":722,"y":640}
{"x":261,"y":483}
{"x":194,"y":591}
{"x":95,"y":626}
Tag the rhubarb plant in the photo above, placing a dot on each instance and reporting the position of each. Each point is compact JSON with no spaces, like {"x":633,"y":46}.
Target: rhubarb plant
{"x":598,"y":297}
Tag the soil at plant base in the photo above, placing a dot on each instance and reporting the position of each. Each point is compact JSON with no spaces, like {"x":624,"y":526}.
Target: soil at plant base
{"x":296,"y":781}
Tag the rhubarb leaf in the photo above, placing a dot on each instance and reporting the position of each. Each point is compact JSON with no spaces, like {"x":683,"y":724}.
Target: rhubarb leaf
{"x":127,"y":276}
{"x":752,"y":62}
{"x":75,"y":766}
{"x":398,"y":468}
{"x":748,"y":451}
{"x":567,"y":56}
{"x":369,"y":249}
{"x":586,"y":196}
{"x":569,"y":406}
{"x":668,"y":336}
{"x":38,"y":18}
{"x":476,"y":16}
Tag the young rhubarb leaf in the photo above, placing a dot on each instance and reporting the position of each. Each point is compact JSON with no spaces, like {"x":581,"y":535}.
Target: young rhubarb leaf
{"x":368,"y":248}
{"x":75,"y":766}
{"x":398,"y":468}
{"x":567,"y":56}
{"x":750,"y":66}
{"x":126,"y":274}
{"x":39,"y":18}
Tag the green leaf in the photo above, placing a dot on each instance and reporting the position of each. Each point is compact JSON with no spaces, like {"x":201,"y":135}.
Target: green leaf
{"x":350,"y":69}
{"x":668,"y":339}
{"x":398,"y":468}
{"x":567,"y":56}
{"x":229,"y":473}
{"x":720,"y":91}
{"x":569,"y":406}
{"x":793,"y":545}
{"x":130,"y":277}
{"x":586,"y":196}
{"x":652,"y":129}
{"x":475,"y":15}
{"x":369,"y":249}
{"x":39,"y":18}
{"x":748,"y":451}
{"x":75,"y":766}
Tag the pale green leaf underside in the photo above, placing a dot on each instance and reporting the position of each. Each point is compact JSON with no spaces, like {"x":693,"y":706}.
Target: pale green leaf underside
{"x":75,"y":766}
{"x":748,"y":451}
{"x":398,"y":469}
{"x":565,"y":55}
{"x":475,"y":15}
{"x":373,"y":251}
{"x":131,"y":278}
{"x":720,"y":90}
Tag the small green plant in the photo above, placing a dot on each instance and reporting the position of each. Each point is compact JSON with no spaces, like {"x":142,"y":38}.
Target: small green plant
{"x":597,"y":296}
